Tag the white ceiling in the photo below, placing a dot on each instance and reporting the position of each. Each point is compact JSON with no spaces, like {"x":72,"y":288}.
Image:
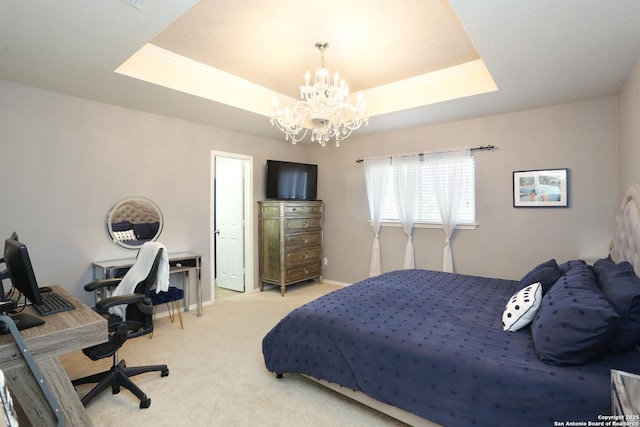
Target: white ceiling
{"x":538,"y":52}
{"x":271,"y":43}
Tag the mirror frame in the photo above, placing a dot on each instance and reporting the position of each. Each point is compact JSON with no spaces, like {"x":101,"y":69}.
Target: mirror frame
{"x":153,"y":209}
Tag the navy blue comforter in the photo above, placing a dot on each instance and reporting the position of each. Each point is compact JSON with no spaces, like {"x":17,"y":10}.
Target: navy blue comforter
{"x":432,"y":343}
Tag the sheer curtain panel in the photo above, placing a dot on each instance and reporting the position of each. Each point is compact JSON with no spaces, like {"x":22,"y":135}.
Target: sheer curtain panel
{"x":375,"y":174}
{"x":450,"y":186}
{"x":406,"y":180}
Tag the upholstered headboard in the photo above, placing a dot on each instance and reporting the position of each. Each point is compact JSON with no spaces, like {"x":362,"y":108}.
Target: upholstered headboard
{"x":135,"y":213}
{"x":625,"y":244}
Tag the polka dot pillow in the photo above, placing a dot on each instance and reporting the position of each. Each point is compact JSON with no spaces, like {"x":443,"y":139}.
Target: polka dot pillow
{"x":522,"y":307}
{"x":124,"y":235}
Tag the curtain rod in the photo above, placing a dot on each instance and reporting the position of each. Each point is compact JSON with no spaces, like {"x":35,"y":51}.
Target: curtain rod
{"x":482,"y":147}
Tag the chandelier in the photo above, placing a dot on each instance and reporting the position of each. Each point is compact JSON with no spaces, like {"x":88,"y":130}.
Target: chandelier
{"x":324,"y":109}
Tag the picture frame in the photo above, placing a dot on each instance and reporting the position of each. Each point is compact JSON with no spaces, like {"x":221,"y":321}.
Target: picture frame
{"x":541,"y":188}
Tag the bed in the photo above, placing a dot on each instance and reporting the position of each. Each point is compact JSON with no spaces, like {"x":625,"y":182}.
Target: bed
{"x":429,"y":347}
{"x":134,"y":222}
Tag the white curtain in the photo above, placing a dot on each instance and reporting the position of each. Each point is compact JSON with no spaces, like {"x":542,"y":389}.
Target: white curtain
{"x":406,"y":179}
{"x":375,"y":174}
{"x":450,"y":189}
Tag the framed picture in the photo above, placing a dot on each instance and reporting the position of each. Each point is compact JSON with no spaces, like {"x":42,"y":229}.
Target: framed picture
{"x":540,"y":188}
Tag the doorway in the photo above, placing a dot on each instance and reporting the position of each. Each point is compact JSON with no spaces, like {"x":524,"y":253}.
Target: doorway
{"x":231,"y":225}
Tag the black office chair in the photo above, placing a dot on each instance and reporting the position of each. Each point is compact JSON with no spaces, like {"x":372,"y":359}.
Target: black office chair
{"x":139,"y":321}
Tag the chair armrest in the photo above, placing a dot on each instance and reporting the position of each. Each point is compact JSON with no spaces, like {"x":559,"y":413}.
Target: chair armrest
{"x":104,"y":304}
{"x":100,"y":284}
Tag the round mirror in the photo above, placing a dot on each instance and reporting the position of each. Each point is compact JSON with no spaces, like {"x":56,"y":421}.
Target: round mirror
{"x":134,"y":221}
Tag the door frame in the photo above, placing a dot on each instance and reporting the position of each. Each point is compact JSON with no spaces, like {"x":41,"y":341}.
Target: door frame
{"x":248,"y":223}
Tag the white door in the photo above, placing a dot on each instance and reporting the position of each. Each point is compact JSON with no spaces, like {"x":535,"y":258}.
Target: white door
{"x":229,"y":222}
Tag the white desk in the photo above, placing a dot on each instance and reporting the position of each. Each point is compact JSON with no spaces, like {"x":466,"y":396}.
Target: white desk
{"x":179,"y":262}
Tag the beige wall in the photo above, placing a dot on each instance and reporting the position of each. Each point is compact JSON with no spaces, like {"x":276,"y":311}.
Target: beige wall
{"x":629,"y":105}
{"x":508,"y":241}
{"x":65,"y":161}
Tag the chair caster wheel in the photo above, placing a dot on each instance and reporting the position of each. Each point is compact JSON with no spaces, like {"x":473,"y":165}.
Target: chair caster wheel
{"x":145,"y":403}
{"x":165,"y":373}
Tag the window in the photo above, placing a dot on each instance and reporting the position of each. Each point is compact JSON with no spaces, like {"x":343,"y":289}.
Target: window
{"x":427,"y":211}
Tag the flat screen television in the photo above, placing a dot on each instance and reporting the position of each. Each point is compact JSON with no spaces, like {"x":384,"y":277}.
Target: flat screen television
{"x":291,"y":181}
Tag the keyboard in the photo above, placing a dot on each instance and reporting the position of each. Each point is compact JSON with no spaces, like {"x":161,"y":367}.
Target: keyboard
{"x":53,"y":303}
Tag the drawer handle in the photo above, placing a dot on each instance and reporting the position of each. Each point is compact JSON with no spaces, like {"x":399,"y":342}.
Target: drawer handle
{"x":306,"y":223}
{"x":306,"y":240}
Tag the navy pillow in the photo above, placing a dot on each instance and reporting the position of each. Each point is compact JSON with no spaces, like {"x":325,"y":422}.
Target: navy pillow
{"x":546,"y":273}
{"x":121,"y":226}
{"x":622,"y":288}
{"x":575,"y":320}
{"x":602,"y":264}
{"x":146,"y":231}
{"x":566,"y":266}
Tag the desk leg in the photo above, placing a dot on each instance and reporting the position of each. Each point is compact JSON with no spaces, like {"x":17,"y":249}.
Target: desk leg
{"x":186,"y":280}
{"x":199,"y":291}
{"x":186,"y":284}
{"x":28,"y":394}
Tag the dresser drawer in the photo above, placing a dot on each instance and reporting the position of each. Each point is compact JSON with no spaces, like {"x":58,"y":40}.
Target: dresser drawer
{"x":309,"y":271}
{"x":303,"y":255}
{"x":293,"y":209}
{"x":301,"y":224}
{"x":303,"y":239}
{"x":270,"y":209}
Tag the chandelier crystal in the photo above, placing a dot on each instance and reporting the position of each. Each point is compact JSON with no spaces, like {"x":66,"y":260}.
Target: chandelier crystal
{"x":324,"y":110}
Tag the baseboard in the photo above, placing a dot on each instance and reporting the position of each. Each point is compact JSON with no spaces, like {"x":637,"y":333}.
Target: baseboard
{"x":192,"y":307}
{"x":335,"y":282}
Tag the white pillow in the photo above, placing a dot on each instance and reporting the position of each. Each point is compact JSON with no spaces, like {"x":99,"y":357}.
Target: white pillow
{"x":522,"y":307}
{"x":124,"y":235}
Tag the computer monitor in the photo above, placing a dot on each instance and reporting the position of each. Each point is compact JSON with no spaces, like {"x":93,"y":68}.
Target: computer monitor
{"x":18,"y":263}
{"x":5,"y":274}
{"x":19,"y":270}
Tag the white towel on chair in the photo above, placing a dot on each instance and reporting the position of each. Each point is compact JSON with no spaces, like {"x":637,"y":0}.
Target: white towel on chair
{"x":139,"y":272}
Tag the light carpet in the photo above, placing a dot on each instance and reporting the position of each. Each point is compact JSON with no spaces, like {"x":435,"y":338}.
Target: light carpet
{"x":217,"y":374}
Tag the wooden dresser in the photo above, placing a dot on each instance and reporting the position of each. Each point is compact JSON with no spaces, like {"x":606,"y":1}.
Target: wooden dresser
{"x":290,"y":246}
